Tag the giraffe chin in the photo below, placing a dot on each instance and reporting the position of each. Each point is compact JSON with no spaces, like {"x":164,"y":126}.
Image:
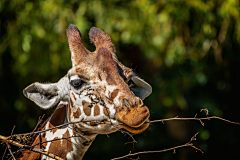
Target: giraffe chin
{"x":136,"y":130}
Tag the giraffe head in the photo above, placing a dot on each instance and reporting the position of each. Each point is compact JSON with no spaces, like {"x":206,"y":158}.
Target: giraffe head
{"x":102,"y":94}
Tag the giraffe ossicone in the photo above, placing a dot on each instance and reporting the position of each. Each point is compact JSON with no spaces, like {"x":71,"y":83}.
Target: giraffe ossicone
{"x":99,"y":93}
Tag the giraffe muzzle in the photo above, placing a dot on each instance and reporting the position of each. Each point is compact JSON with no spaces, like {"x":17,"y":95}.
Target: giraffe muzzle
{"x":134,"y":118}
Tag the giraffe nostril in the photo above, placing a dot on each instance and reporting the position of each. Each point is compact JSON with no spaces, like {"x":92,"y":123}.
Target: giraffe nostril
{"x":125,"y":101}
{"x":139,"y":102}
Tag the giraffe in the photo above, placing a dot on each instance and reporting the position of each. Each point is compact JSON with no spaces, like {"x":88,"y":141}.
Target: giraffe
{"x":99,"y":93}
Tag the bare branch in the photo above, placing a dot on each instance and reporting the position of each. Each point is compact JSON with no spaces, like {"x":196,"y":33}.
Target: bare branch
{"x":9,"y":148}
{"x":194,"y":119}
{"x":4,"y":153}
{"x":38,"y":123}
{"x":189,"y":144}
{"x":154,"y":121}
{"x":133,"y":140}
{"x":145,"y":152}
{"x":10,"y":141}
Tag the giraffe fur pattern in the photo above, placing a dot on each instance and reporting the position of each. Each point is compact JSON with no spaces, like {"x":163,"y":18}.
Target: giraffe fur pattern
{"x":98,"y":95}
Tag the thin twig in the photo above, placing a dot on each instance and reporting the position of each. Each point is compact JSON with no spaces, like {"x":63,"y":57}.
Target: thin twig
{"x":39,"y":122}
{"x":189,"y":144}
{"x":197,"y":148}
{"x":134,"y":141}
{"x":145,"y":152}
{"x":196,"y":119}
{"x":12,"y":130}
{"x":9,"y":148}
{"x":4,"y":152}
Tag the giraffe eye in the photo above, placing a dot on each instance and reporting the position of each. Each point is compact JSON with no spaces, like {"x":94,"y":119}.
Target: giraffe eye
{"x":131,"y":84}
{"x":77,"y":83}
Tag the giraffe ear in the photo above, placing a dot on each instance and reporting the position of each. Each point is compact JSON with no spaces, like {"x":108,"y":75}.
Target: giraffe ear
{"x":44,"y":95}
{"x":140,"y":88}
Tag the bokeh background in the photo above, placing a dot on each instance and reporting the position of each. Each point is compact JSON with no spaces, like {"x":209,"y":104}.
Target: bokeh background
{"x":189,"y":51}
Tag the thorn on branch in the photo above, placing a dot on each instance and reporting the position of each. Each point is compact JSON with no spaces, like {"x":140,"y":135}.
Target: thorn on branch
{"x":174,"y":151}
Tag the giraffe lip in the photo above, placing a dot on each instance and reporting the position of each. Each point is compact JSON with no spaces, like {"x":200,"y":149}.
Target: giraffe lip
{"x":138,"y":129}
{"x":134,"y":117}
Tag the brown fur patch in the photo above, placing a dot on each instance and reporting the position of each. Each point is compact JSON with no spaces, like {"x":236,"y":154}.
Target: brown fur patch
{"x":99,"y":76}
{"x":106,"y":111}
{"x":61,"y":148}
{"x":110,"y":80}
{"x":86,"y":107}
{"x":114,"y":94}
{"x":51,"y":126}
{"x":74,"y":96}
{"x":96,"y":110}
{"x":57,"y":118}
{"x":71,"y":102}
{"x":77,"y":113}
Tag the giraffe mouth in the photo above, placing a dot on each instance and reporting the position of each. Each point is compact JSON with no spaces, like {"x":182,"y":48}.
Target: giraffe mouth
{"x":134,"y":119}
{"x":138,"y":129}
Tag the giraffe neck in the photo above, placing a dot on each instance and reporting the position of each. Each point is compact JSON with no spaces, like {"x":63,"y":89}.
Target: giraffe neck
{"x":65,"y":142}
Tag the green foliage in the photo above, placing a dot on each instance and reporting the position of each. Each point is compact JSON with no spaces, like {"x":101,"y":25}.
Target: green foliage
{"x":187,"y":50}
